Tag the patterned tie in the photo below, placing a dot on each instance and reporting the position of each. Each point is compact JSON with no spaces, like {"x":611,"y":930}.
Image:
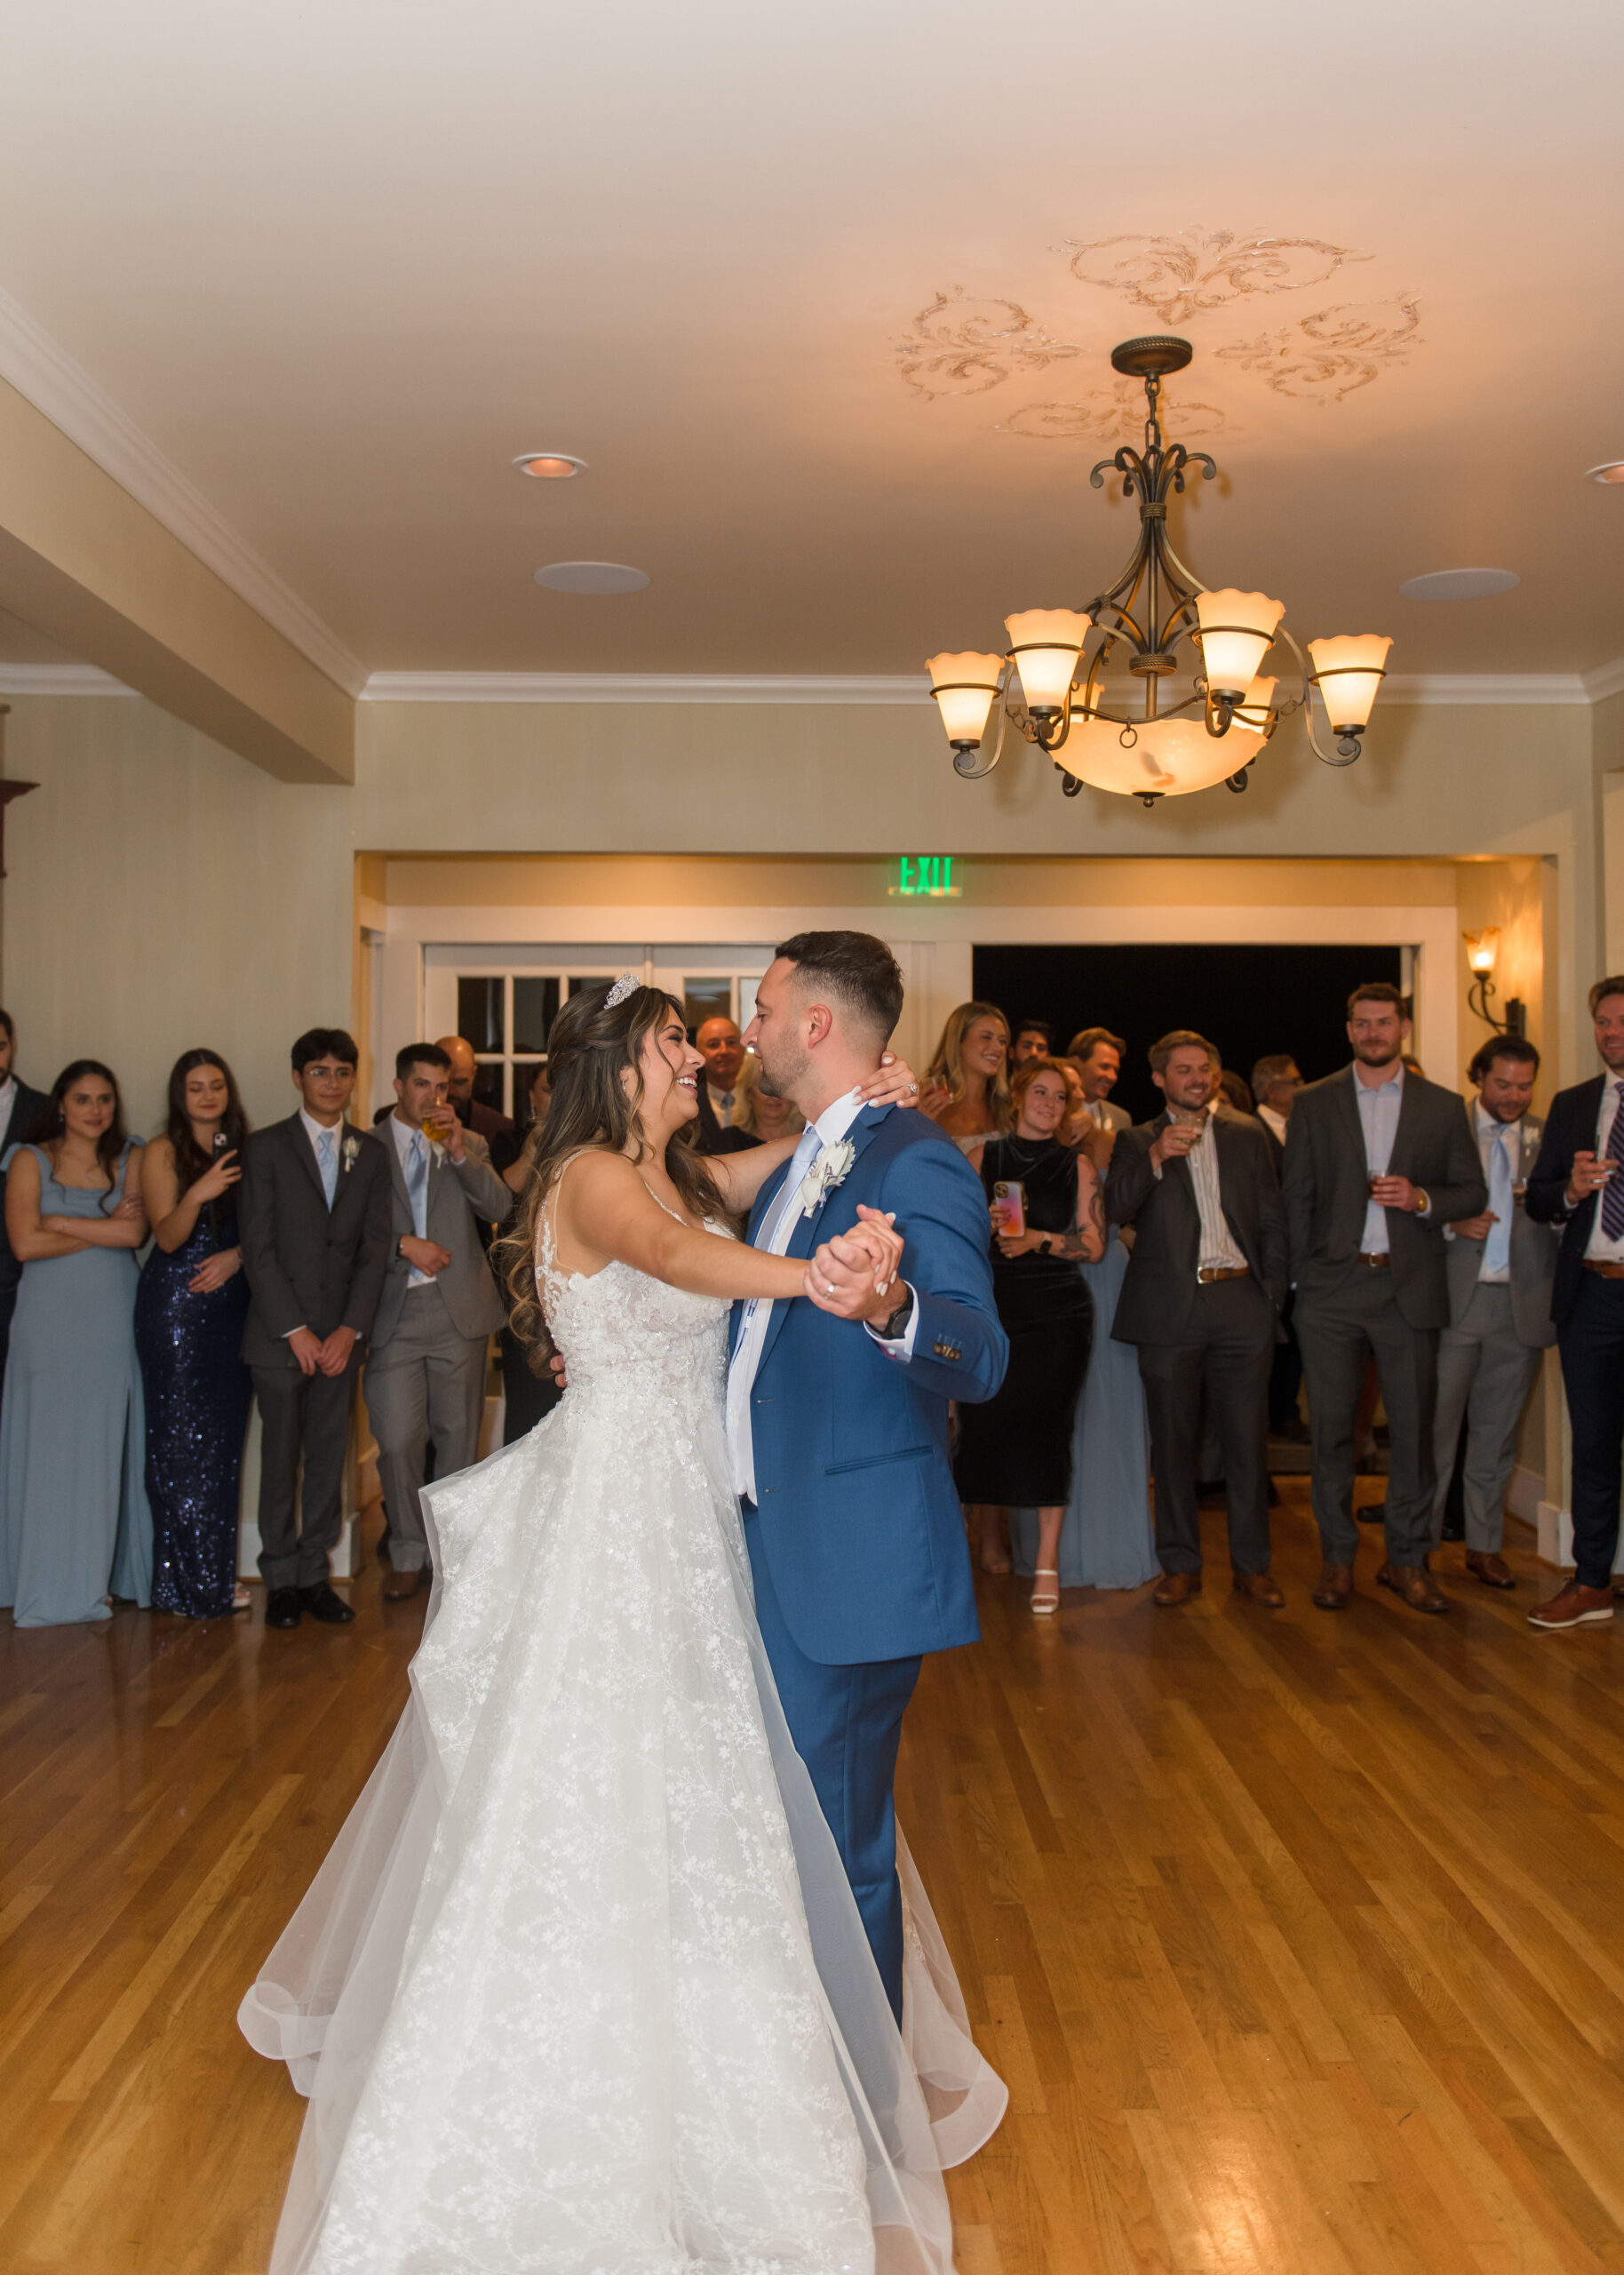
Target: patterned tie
{"x":1496,"y":1247}
{"x":327,"y":1158}
{"x":1613,"y":1194}
{"x":417,"y":1185}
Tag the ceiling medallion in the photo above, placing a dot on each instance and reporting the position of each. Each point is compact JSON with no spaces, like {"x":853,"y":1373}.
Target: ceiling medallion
{"x":1052,"y":686}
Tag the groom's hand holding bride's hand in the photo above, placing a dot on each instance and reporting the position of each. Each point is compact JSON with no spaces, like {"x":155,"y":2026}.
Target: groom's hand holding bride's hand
{"x":854,"y":1275}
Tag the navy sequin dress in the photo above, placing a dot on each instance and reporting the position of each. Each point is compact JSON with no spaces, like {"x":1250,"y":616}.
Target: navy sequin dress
{"x":197,"y":1398}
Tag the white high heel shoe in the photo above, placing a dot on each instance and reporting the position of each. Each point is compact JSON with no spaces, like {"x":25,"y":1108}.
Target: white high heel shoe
{"x":1045,"y":1605}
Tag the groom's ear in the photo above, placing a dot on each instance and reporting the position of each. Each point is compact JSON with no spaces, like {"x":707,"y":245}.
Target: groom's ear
{"x":820,"y":1023}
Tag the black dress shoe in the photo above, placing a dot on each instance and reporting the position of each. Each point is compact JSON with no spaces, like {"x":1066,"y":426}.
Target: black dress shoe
{"x":321,"y":1602}
{"x":283,"y":1607}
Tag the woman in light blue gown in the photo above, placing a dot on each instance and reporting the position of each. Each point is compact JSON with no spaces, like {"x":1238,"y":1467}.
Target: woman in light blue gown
{"x":74,"y":1527}
{"x":1105,"y":1540}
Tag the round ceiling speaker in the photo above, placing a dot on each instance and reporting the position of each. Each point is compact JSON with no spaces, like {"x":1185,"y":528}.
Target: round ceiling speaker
{"x":600,"y":578}
{"x":1460,"y":585}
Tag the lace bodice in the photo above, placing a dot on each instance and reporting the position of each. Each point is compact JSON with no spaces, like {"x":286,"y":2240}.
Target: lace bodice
{"x":625,"y":1337}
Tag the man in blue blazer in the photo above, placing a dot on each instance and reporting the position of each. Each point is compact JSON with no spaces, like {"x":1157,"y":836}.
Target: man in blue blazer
{"x":1578,"y":1183}
{"x":839,"y":1442}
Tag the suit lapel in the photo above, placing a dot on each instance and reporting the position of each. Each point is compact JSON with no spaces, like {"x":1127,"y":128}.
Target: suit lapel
{"x":305,"y":1152}
{"x":804,"y":1237}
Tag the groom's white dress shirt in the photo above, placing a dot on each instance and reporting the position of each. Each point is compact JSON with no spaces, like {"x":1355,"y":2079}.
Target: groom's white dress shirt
{"x":776,"y":1230}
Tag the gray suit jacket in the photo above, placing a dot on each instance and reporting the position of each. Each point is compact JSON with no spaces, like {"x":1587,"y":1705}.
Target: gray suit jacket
{"x":307,"y":1265}
{"x":1159,"y":1293}
{"x":1327,"y":1189}
{"x":1534,"y":1255}
{"x":459,"y":1197}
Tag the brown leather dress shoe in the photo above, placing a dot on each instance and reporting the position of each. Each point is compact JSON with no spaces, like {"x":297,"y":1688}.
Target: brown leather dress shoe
{"x":1259,"y":1587}
{"x":1413,"y":1583}
{"x":400,"y":1587}
{"x":1484,"y":1564}
{"x":1333,"y":1589}
{"x":1177,"y":1587}
{"x":1574,"y":1605}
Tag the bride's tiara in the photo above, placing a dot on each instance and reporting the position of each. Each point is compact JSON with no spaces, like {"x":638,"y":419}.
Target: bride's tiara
{"x":628,"y":984}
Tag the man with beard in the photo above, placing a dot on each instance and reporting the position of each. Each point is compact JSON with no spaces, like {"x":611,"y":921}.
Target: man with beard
{"x":1379,"y":1161}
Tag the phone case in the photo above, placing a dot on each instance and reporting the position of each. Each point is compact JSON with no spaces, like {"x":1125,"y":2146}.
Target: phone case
{"x":1012,"y":1192}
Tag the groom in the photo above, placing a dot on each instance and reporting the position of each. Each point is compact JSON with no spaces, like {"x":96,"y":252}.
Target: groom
{"x":839,"y":1442}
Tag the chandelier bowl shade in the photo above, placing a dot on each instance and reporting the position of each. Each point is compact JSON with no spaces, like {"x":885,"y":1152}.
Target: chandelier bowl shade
{"x":964,"y":687}
{"x":1349,"y":672}
{"x":1046,"y":643}
{"x":1237,"y":629}
{"x":1164,"y":758}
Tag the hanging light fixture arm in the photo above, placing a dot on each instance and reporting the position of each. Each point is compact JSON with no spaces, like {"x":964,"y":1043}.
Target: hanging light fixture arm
{"x":1349,"y":747}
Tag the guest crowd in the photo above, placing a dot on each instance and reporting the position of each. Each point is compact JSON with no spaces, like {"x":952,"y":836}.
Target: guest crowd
{"x":1171,"y":1293}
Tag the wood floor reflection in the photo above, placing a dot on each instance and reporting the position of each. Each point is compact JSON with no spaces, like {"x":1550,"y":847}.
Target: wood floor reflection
{"x":1299,"y":1939}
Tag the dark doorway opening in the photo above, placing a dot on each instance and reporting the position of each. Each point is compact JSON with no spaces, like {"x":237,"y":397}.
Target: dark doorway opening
{"x":1249,"y":1001}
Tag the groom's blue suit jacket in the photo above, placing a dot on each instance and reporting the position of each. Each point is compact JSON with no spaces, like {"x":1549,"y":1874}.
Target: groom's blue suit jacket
{"x":859,"y":1517}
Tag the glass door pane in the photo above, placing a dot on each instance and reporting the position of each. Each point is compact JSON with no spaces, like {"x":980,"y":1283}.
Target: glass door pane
{"x":479,"y":1013}
{"x":534,"y":1009}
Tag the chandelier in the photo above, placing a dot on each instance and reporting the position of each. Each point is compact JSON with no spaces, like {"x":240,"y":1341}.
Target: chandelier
{"x":1050,"y":682}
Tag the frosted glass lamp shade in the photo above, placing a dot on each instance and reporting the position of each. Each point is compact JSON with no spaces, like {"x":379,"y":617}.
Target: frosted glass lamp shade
{"x":964,"y":687}
{"x":1482,"y":948}
{"x":1251,"y":712}
{"x":1349,"y":672}
{"x":1236,"y":632}
{"x":1166,"y":758}
{"x":1046,"y":643}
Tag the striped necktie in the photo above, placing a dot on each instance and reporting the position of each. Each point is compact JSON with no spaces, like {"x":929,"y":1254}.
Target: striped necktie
{"x":1612,"y":1193}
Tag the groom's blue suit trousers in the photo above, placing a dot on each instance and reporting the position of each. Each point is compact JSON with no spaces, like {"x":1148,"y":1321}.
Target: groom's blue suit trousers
{"x":846,"y":1723}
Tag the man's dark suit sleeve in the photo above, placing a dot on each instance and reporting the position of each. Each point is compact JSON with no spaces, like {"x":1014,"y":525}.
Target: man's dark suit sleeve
{"x":1130,"y":1180}
{"x":1547,"y":1197}
{"x":1271,"y":1231}
{"x":1463,"y":1191}
{"x":274,"y":1300}
{"x":373,"y":1249}
{"x":1297,"y":1191}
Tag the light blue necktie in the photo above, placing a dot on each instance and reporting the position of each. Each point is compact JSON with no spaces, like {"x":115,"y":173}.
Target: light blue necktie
{"x":327,"y":1161}
{"x":1496,"y":1247}
{"x":417,"y":1185}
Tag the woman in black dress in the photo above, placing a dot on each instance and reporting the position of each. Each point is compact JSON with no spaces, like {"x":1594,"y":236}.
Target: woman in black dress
{"x":1016,"y":1449}
{"x":190,"y":1310}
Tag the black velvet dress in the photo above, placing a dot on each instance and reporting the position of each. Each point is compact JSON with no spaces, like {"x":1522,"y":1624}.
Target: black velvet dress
{"x":1017,"y":1448}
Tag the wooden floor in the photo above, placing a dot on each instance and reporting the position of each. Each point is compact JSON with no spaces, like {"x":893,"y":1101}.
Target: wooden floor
{"x":1300,"y":1939}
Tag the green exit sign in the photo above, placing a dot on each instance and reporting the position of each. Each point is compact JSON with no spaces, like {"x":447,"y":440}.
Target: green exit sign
{"x":926,"y":877}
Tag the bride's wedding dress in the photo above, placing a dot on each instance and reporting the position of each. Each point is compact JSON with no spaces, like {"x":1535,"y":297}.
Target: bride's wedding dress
{"x":581,"y":1988}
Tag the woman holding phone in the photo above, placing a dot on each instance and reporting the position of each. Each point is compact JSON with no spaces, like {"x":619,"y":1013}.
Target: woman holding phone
{"x":1048,"y":1216}
{"x":189,"y":1311}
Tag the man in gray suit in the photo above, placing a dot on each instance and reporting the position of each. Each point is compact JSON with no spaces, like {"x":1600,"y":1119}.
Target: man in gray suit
{"x":1379,"y":1161}
{"x":426,"y":1378}
{"x":1502,"y":1267}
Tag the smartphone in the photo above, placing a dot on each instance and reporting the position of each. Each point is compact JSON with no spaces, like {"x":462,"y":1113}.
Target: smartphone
{"x":1012,"y":1192}
{"x":222,"y":1144}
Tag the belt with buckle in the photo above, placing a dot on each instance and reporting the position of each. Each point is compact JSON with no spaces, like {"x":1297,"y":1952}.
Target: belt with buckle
{"x":1603,"y":1269}
{"x":1208,"y":1273}
{"x":1378,"y":1260}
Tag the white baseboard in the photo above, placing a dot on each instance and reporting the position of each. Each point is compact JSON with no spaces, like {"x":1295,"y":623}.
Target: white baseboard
{"x":1556,"y":1539}
{"x":346,"y":1557}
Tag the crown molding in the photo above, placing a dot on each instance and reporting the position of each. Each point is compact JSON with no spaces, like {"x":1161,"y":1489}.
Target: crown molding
{"x":59,"y":679}
{"x":1607,"y":680}
{"x":33,"y":363}
{"x":1448,"y":688}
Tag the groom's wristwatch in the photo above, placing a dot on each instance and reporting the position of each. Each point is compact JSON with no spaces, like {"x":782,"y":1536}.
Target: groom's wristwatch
{"x":888,"y":1329}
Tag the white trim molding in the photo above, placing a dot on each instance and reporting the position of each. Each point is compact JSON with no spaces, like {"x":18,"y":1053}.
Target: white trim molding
{"x":34,"y":363}
{"x":59,"y":679}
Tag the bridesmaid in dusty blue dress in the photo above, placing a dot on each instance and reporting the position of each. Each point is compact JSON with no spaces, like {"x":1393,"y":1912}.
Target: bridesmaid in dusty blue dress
{"x":75,"y":1527}
{"x":188,"y":1331}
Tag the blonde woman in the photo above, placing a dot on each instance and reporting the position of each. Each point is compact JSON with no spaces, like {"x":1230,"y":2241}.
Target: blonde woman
{"x":967,"y":1084}
{"x":760,"y":1113}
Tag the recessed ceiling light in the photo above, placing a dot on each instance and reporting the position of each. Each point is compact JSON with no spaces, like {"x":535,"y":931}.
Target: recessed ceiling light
{"x":1613,"y":471}
{"x":1460,"y":585}
{"x":599,"y":576}
{"x":550,"y":466}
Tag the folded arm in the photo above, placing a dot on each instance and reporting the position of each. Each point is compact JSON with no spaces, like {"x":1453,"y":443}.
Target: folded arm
{"x":31,"y":1243}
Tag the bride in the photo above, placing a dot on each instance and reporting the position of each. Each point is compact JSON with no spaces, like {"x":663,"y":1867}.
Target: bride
{"x":581,"y":1988}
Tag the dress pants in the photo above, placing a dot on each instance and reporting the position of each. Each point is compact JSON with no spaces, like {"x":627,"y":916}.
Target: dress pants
{"x":307,"y":1415}
{"x":426,"y":1382}
{"x":1285,"y":1373}
{"x":846,"y":1724}
{"x":1485,"y":1370}
{"x":1229,"y":1353}
{"x":1591,"y":1341}
{"x":1339,"y":1328}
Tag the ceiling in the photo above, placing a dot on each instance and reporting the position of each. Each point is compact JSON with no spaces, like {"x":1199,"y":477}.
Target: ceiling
{"x":824,"y":298}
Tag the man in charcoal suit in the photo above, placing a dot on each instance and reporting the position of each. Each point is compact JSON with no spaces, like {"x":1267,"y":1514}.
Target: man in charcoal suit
{"x":1202,"y":1301}
{"x":1379,"y":1161}
{"x":314,"y":1214}
{"x":426,"y":1375}
{"x":19,"y":1108}
{"x":1500,"y":1268}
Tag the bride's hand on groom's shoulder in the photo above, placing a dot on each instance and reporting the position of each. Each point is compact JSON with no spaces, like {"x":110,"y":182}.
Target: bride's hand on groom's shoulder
{"x":894,"y":1084}
{"x":854,"y":1275}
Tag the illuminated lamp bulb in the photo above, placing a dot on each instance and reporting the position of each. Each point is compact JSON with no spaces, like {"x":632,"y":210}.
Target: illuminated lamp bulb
{"x":964,"y":687}
{"x":1482,"y":948}
{"x":1349,"y":672}
{"x":1237,"y":629}
{"x":1046,"y":643}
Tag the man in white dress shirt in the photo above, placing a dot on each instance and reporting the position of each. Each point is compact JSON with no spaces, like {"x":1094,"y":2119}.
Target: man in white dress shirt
{"x":1097,"y":1055}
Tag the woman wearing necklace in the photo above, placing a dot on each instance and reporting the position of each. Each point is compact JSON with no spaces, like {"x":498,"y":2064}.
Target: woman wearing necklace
{"x":1016,"y":1449}
{"x":967,"y":1085}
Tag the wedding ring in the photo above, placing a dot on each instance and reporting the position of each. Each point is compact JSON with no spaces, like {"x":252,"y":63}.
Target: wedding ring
{"x":913,"y":1089}
{"x":828,"y":1287}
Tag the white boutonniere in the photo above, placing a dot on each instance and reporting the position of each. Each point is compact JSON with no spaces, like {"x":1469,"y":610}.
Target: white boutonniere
{"x":351,"y":1151}
{"x":831,"y":1167}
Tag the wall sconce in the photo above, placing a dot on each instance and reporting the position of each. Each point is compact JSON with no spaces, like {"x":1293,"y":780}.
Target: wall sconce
{"x":1482,"y":953}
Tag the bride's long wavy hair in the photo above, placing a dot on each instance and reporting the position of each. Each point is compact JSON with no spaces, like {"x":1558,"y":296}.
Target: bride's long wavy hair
{"x":590,"y":1045}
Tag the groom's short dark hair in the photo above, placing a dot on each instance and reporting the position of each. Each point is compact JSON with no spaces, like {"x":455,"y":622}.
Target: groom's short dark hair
{"x":854,"y":967}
